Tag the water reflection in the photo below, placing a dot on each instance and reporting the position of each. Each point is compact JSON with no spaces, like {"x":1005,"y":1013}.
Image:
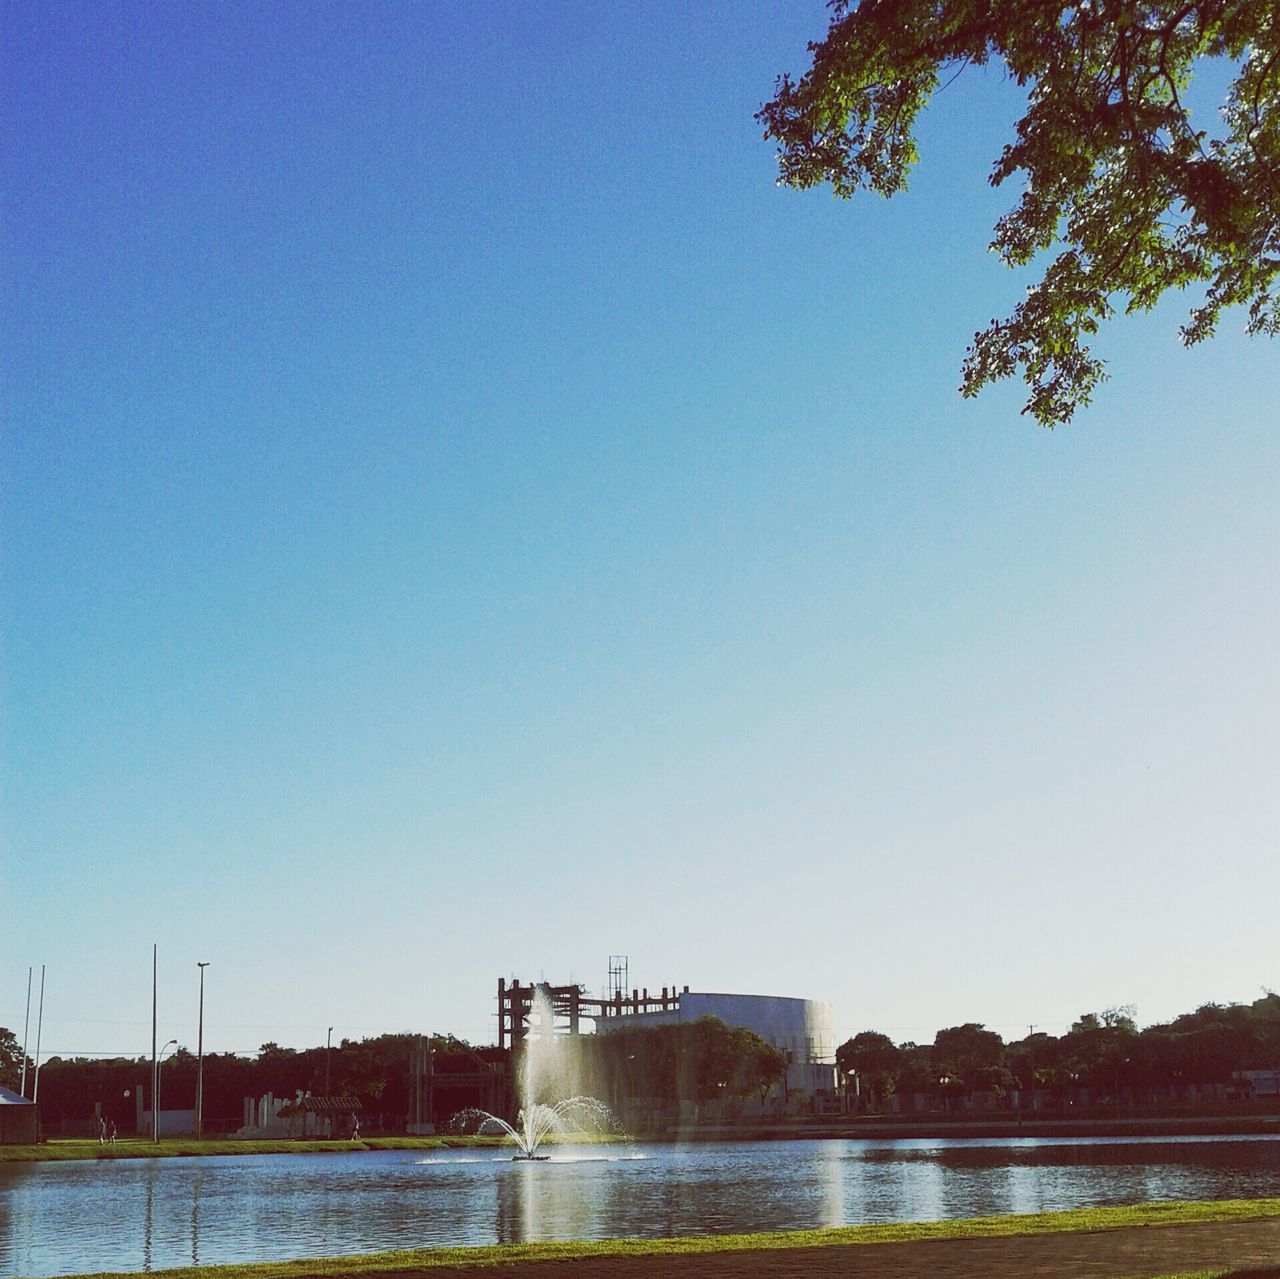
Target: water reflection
{"x":148,"y":1223}
{"x":197,"y":1182}
{"x":132,"y":1215}
{"x":831,"y":1168}
{"x":9,"y":1193}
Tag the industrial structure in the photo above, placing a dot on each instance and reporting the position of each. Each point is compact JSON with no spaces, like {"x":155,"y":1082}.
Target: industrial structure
{"x":570,"y":1005}
{"x":802,"y":1028}
{"x":441,"y":1084}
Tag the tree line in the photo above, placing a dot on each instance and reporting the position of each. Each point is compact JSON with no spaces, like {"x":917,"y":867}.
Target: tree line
{"x":694,"y":1061}
{"x":1103,"y":1054}
{"x":377,"y":1071}
{"x":702,"y":1060}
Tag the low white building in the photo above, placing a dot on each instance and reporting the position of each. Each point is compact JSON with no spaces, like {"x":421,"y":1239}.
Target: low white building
{"x":801,"y":1028}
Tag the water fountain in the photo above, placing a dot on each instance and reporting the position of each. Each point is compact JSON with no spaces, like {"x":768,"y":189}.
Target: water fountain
{"x":546,"y":1066}
{"x":536,"y":1120}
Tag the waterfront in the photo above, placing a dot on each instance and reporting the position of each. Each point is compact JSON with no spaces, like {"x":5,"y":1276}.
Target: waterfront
{"x":140,"y":1215}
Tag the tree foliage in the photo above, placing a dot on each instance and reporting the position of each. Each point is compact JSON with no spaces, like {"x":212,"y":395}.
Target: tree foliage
{"x":875,"y":1059}
{"x":375,"y":1070}
{"x":692,"y":1061}
{"x":10,"y":1059}
{"x":1101,"y":1052}
{"x":963,"y":1052}
{"x":1138,"y":197}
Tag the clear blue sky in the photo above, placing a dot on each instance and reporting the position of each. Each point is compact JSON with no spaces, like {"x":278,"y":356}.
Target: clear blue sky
{"x":460,"y":518}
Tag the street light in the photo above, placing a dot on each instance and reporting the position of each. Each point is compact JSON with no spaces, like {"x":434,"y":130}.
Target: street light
{"x":200,"y":1058}
{"x":155,"y":1119}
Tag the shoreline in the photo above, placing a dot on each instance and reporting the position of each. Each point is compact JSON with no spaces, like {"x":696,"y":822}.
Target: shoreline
{"x":1225,"y":1127}
{"x":60,"y":1149}
{"x":897,"y":1129}
{"x":1142,"y":1240}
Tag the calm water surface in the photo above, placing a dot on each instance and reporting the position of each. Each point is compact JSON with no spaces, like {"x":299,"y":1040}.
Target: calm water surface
{"x":139,"y":1215}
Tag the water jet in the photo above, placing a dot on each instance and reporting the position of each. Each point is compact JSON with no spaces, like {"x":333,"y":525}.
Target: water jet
{"x":543,"y":1070}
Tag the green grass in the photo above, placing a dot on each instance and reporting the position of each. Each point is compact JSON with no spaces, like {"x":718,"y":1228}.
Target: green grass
{"x":1078,"y":1219}
{"x":89,"y":1148}
{"x":133,"y":1148}
{"x":1267,"y":1272}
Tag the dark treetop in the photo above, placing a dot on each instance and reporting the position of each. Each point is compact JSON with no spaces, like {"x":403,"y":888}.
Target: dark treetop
{"x":1135,"y":198}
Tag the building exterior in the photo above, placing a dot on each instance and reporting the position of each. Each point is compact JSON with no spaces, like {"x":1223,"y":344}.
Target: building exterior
{"x":1258,"y":1083}
{"x":801,"y":1028}
{"x":19,"y":1120}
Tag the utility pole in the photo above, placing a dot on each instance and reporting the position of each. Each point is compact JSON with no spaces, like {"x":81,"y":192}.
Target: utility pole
{"x":26,"y":1026}
{"x":1031,"y":1047}
{"x":155,"y":1064}
{"x":200,"y":1058}
{"x":35,"y":1089}
{"x":328,"y":1045}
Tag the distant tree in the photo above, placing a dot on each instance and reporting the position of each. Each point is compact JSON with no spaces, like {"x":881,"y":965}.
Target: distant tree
{"x":1121,"y":1018}
{"x":685,"y":1060}
{"x":993,"y":1079}
{"x":1111,"y":166}
{"x":758,"y":1064}
{"x":10,"y":1059}
{"x":874,"y":1058}
{"x":1095,"y":1047}
{"x":281,"y":1071}
{"x":1030,"y":1059}
{"x":963,"y":1052}
{"x":714,"y":1059}
{"x":917,"y":1073}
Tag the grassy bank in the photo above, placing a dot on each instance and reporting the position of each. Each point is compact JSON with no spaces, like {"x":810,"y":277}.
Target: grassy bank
{"x":1271,"y":1272}
{"x":130,"y":1148}
{"x":1089,"y":1220}
{"x":873,"y":1128}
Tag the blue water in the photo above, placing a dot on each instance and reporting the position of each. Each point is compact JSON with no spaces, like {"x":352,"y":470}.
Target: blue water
{"x":140,"y":1215}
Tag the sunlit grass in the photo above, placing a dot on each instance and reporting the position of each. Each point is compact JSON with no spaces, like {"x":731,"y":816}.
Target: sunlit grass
{"x":1267,"y":1272}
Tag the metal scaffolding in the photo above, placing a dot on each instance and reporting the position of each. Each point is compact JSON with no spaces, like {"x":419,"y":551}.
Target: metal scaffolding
{"x":570,"y":1004}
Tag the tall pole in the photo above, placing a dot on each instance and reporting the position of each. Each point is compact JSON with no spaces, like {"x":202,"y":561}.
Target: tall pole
{"x":35,"y":1089}
{"x":328,"y":1045}
{"x":155,"y":1064}
{"x":26,"y":1026}
{"x":1031,"y":1045}
{"x":200,"y":1059}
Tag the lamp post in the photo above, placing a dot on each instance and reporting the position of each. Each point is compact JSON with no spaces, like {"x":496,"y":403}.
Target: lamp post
{"x":328,"y":1045}
{"x":155,"y":1119}
{"x":200,"y":1058}
{"x":155,"y":1069}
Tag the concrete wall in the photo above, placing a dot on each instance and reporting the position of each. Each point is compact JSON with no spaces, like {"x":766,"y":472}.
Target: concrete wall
{"x":19,"y":1125}
{"x":173,"y":1123}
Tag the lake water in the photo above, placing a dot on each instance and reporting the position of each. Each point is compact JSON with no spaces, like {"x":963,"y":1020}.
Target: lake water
{"x":139,"y":1215}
